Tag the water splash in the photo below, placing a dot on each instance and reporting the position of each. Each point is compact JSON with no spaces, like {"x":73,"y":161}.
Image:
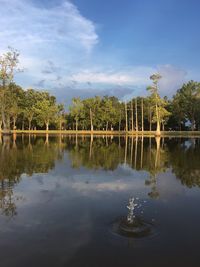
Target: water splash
{"x":131,"y":207}
{"x":133,"y":225}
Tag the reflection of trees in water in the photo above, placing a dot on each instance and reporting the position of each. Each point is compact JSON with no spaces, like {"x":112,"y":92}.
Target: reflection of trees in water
{"x":23,"y":155}
{"x":185,"y":161}
{"x":28,"y":156}
{"x":8,"y":199}
{"x":154,"y":155}
{"x":31,"y":154}
{"x":137,"y":152}
{"x":95,"y":153}
{"x":158,"y":163}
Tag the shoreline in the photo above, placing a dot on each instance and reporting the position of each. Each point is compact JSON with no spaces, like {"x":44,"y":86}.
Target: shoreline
{"x":109,"y":133}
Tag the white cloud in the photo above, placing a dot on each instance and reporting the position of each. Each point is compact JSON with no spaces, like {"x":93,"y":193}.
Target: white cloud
{"x":106,"y":186}
{"x":172,"y":79}
{"x":25,"y":25}
{"x":131,"y":76}
{"x":62,"y":35}
{"x":59,"y":33}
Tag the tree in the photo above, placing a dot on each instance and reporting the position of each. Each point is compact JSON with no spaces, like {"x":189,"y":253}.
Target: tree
{"x":186,"y":103}
{"x":158,"y":104}
{"x":91,"y":111}
{"x":76,"y":110}
{"x":177,"y":109}
{"x":45,"y":111}
{"x":15,"y":98}
{"x":14,"y":112}
{"x":109,"y":112}
{"x":60,"y":115}
{"x":8,"y":65}
{"x":31,"y":98}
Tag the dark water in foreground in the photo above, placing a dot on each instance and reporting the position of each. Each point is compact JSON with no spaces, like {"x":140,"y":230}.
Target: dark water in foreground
{"x":59,"y":198}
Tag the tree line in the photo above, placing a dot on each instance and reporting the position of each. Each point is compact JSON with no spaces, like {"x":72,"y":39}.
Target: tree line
{"x":34,"y":109}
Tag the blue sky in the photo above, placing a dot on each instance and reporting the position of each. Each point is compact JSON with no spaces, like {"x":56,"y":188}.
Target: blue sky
{"x":88,"y":47}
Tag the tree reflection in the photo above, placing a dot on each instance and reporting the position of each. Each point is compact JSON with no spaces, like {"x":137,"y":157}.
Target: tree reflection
{"x":96,"y":153}
{"x":153,"y":155}
{"x":185,"y":158}
{"x":29,"y":154}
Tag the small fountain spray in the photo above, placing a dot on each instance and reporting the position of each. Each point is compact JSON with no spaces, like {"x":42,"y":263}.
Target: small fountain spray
{"x":131,"y":207}
{"x":133,"y":225}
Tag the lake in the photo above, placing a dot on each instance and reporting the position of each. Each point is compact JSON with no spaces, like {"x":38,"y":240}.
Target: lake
{"x":61,"y":196}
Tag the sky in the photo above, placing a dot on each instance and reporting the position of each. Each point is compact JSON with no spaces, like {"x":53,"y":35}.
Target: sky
{"x":83,"y":48}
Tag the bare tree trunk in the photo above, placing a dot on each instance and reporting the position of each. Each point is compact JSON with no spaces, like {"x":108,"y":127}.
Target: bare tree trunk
{"x":150,"y":119}
{"x":132,"y":117}
{"x":136,"y":116}
{"x":158,"y":122}
{"x":126,"y":115}
{"x":91,"y":121}
{"x":142,"y":111}
{"x":76,"y":125}
{"x":158,"y":129}
{"x":47,"y":126}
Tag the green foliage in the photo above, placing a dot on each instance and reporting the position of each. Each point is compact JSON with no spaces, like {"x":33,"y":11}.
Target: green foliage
{"x":186,"y":104}
{"x":45,"y":111}
{"x":76,"y":110}
{"x":28,"y":109}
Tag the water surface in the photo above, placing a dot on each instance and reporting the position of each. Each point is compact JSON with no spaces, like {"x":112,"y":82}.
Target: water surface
{"x":59,"y":197}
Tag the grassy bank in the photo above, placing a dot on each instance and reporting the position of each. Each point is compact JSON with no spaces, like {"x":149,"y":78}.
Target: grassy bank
{"x":130,"y":133}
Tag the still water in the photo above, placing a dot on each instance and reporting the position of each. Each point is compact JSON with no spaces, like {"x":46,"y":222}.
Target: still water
{"x":60,"y":197}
